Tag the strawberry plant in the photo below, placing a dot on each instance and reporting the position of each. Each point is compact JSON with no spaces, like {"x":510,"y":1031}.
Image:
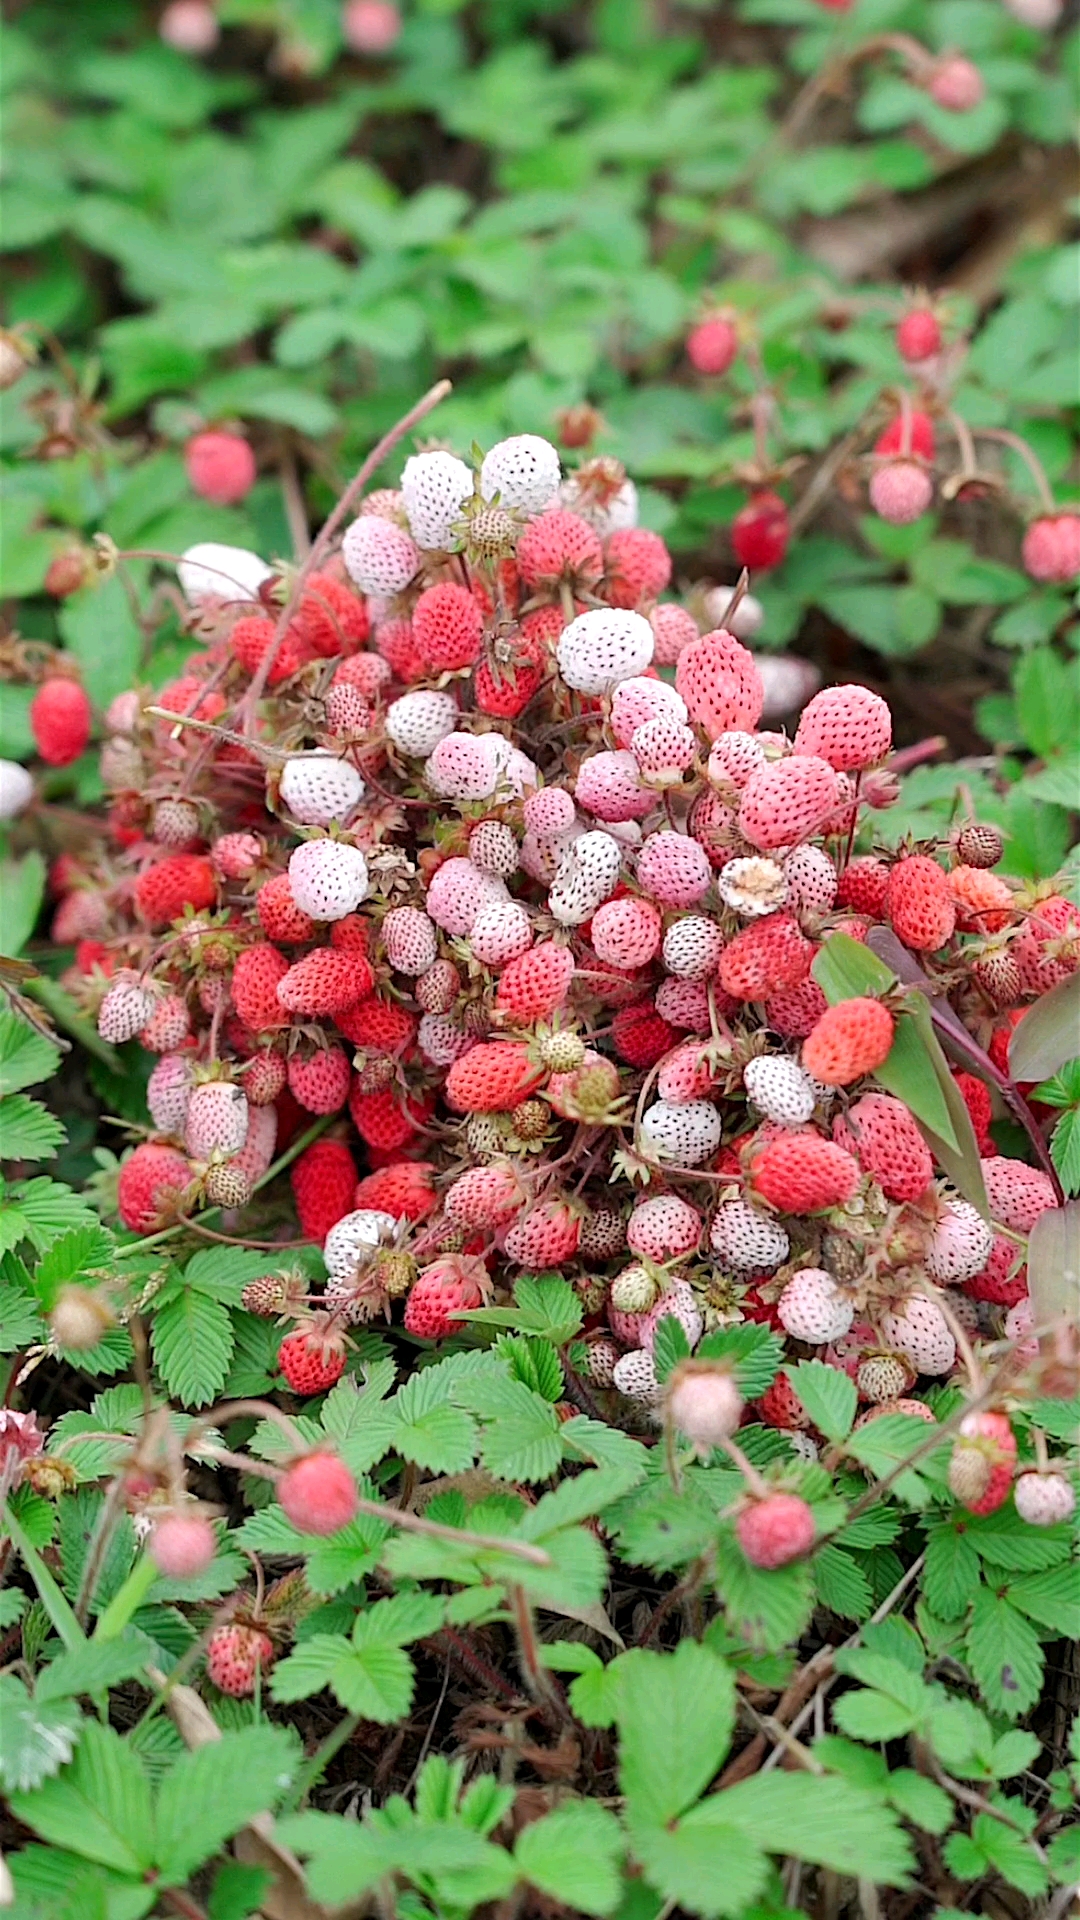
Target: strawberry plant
{"x":537,"y":1249}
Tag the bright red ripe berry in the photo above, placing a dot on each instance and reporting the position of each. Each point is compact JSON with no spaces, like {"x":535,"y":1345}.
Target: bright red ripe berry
{"x":760,"y":532}
{"x":312,"y":1357}
{"x":1052,"y":548}
{"x":220,"y":466}
{"x":918,"y":335}
{"x":152,"y":1181}
{"x":163,"y":891}
{"x":919,"y":438}
{"x":711,"y":346}
{"x":60,"y":721}
{"x":323,"y":1181}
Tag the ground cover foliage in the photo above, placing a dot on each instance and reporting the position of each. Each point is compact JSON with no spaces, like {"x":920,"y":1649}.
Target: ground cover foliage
{"x":537,"y":1250}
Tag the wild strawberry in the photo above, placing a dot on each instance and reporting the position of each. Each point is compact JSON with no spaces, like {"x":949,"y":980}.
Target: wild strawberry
{"x":251,"y":639}
{"x":458,"y":894}
{"x":217,"y":1119}
{"x":918,"y":335}
{"x":885,"y":1140}
{"x":153,"y":1182}
{"x":491,"y":1078}
{"x":781,"y":1407}
{"x":984,"y":904}
{"x":1044,"y":1499}
{"x":318,"y":1493}
{"x":956,"y":84}
{"x":720,"y":684}
{"x":603,"y":1235}
{"x":780,"y":1089}
{"x":379,"y":556}
{"x":976,"y":1097}
{"x":168,"y":1091}
{"x":662,"y":1228}
{"x":634,"y":1374}
{"x":319,"y":1081}
{"x":862,"y":886}
{"x":559,"y":547}
{"x":453,"y":1285}
{"x":883,"y":1376}
{"x":176,"y":823}
{"x":434,"y":488}
{"x":775,"y":1530}
{"x":684,"y":1135}
{"x":602,"y":647}
{"x":802,"y":1173}
{"x":323,"y":1182}
{"x":312,"y":1357}
{"x":784,"y":802}
{"x":626,"y":932}
{"x":960,"y":1244}
{"x":381,"y":1024}
{"x":641,"y":1036}
{"x":673,"y":629}
{"x":318,"y":787}
{"x":850,"y":1039}
{"x":601,"y":1359}
{"x":438,"y":987}
{"x":638,"y":566}
{"x":711,"y":346}
{"x":237,"y":1657}
{"x":325,"y":981}
{"x":1048,"y":949}
{"x":918,"y":903}
{"x":386,"y":1119}
{"x":919,"y":438}
{"x":765,"y":957}
{"x":126,"y":1008}
{"x":703,"y":1402}
{"x":549,"y":811}
{"x":484,"y":1197}
{"x":982,"y":1461}
{"x":182,"y":1544}
{"x":747,"y":1240}
{"x":1004,"y":1279}
{"x":255,"y":980}
{"x":608,"y":785}
{"x":418,"y":721}
{"x":60,"y":721}
{"x":328,"y":878}
{"x":493,"y":848}
{"x":410,"y":940}
{"x":546,"y":1236}
{"x":447,"y":627}
{"x":367,"y":672}
{"x":183,"y":880}
{"x":264,"y":1078}
{"x":353,"y":1239}
{"x":811,"y":881}
{"x":403,"y":1190}
{"x":914,"y":1409}
{"x":689,"y":1073}
{"x":1051,"y":550}
{"x":814,"y":1309}
{"x":279,"y":916}
{"x":849,"y":726}
{"x":1018,"y":1194}
{"x":220,"y":466}
{"x":673,"y":869}
{"x":664,"y":750}
{"x":919,"y":1329}
{"x":760,"y":532}
{"x":331,"y":619}
{"x":692,"y":947}
{"x":500,"y":933}
{"x":677,"y":1302}
{"x":900,"y":491}
{"x":534,"y":984}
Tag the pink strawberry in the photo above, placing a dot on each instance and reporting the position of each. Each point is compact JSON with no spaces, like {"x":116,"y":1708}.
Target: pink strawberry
{"x":774,"y":1530}
{"x":318,"y":1493}
{"x":455,"y":1284}
{"x":236,"y":1657}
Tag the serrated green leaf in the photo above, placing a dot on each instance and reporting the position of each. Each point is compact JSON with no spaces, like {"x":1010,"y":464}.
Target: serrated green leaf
{"x":755,"y":1350}
{"x":39,"y":1736}
{"x":920,"y":1800}
{"x":1004,"y":1654}
{"x":819,"y":1818}
{"x":768,"y":1609}
{"x":25,"y":1055}
{"x":586,"y":1439}
{"x":1013,"y":1753}
{"x":670,"y":1345}
{"x":534,"y":1362}
{"x":98,"y":1805}
{"x":100,"y":1664}
{"x":1051,"y":1597}
{"x":1004,"y":1540}
{"x":951,"y":1576}
{"x":885,"y":1443}
{"x":521,"y":1439}
{"x":28,"y":1131}
{"x":712,"y":1869}
{"x":573,"y":1855}
{"x":348,"y":1556}
{"x":829,"y":1396}
{"x":71,"y":1258}
{"x":427,"y":1429}
{"x":192,"y":1338}
{"x":20,"y":1322}
{"x":868,"y":1715}
{"x":594,"y":1696}
{"x":224,"y":1272}
{"x":676,"y":1716}
{"x":47,"y":1210}
{"x":212,"y":1792}
{"x":841,"y":1584}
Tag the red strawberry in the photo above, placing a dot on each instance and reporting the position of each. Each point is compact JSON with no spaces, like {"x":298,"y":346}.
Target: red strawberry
{"x":152,"y":1181}
{"x":236,"y":1657}
{"x":325,"y":981}
{"x":862,"y":886}
{"x":384,"y":1026}
{"x":885,"y":1140}
{"x":163,"y":891}
{"x":780,"y":1405}
{"x":279,"y":916}
{"x":455,"y":1284}
{"x":312,"y":1357}
{"x":638,"y":566}
{"x":918,"y":903}
{"x":332,"y":618}
{"x":849,"y":1040}
{"x":1004,"y":1279}
{"x":220,"y":466}
{"x":982,"y":1461}
{"x":535,"y":983}
{"x":766,"y":957}
{"x":403,"y":1189}
{"x":323,"y":1181}
{"x":760,"y":532}
{"x":60,"y":721}
{"x":254,"y":635}
{"x":264,"y":1078}
{"x":976,"y":1097}
{"x":320,"y":1080}
{"x":802,"y":1173}
{"x":641,"y":1036}
{"x":255,"y":980}
{"x":387,"y":1119}
{"x":491,"y":1078}
{"x":775,"y":1530}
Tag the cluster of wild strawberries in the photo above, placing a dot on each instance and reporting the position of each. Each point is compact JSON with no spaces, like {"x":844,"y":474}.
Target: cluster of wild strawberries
{"x":470,"y":844}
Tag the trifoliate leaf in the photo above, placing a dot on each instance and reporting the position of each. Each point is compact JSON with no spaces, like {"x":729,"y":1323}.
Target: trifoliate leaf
{"x":39,"y":1735}
{"x":98,"y":1805}
{"x":573,"y":1855}
{"x":25,"y":1055}
{"x":212,"y":1792}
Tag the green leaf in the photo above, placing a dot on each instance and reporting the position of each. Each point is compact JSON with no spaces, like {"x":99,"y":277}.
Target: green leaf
{"x":951,"y":1576}
{"x":910,"y":1073}
{"x":71,"y":1258}
{"x":39,"y":1736}
{"x":521,"y":1439}
{"x":1004,"y":1654}
{"x":28,"y":1131}
{"x":238,"y":1891}
{"x":769,"y":1609}
{"x":846,"y":969}
{"x":829,"y":1396}
{"x":755,"y":1350}
{"x":819,"y":1818}
{"x":670,"y":1346}
{"x":100,"y":629}
{"x":192,"y":1339}
{"x":99,"y":1805}
{"x":1047,"y":701}
{"x":210,"y":1793}
{"x":676,"y":1715}
{"x":885,"y":1443}
{"x":1051,"y":1597}
{"x":47,"y":1210}
{"x":98,"y":1665}
{"x":573,"y":1855}
{"x":428,"y":1430}
{"x":841,"y":1584}
{"x":594,"y":1696}
{"x":546,"y":1305}
{"x":1046,"y":1036}
{"x":1054,"y":1265}
{"x":709,"y":1868}
{"x":22,"y":890}
{"x":25,"y":1055}
{"x":919,"y":1800}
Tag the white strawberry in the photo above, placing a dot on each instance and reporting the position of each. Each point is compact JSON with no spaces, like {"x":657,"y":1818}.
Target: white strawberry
{"x":410,"y":940}
{"x":677,"y":1303}
{"x":601,"y":1359}
{"x":435,"y":487}
{"x":587,"y":873}
{"x":609,"y":513}
{"x":920,"y":1330}
{"x":500,"y":932}
{"x":692,"y":947}
{"x":960,"y":1244}
{"x":466,"y":766}
{"x":602,"y":647}
{"x":663,"y":750}
{"x":217,"y":1119}
{"x":354,"y":1238}
{"x":493,"y":846}
{"x":168,"y":1091}
{"x":523,"y":471}
{"x":813,"y":1308}
{"x":633,"y":1291}
{"x":812,"y":880}
{"x":327,"y":878}
{"x":210,"y":571}
{"x":683,"y":1135}
{"x":634,"y":1374}
{"x":780,"y":1089}
{"x":1044,"y":1499}
{"x":418,"y":721}
{"x":704,"y":1403}
{"x":125,"y":1010}
{"x":379,"y":556}
{"x":318,"y":787}
{"x":747,"y":1240}
{"x":16,"y":789}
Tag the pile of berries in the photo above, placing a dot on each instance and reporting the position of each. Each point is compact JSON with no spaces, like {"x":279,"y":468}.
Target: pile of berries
{"x":470,"y":849}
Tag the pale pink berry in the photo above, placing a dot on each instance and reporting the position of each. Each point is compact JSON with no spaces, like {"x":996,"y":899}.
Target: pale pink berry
{"x":663,"y":750}
{"x":438,"y":988}
{"x":191,"y":26}
{"x":1044,"y":1499}
{"x":549,"y":811}
{"x":688,"y":1073}
{"x":663,"y":1227}
{"x":703,"y":1403}
{"x":318,"y":787}
{"x":920,"y":1330}
{"x":182,"y":1545}
{"x":673,"y":629}
{"x":441,"y":1040}
{"x":813,"y":1308}
{"x":235,"y":855}
{"x":747,"y":1240}
{"x":459,"y":892}
{"x":637,"y":700}
{"x":379,"y":556}
{"x":956,"y":85}
{"x":318,"y":1493}
{"x":775,"y":1530}
{"x":327,"y":878}
{"x":1019,"y":1322}
{"x":466,"y":766}
{"x":733,"y":758}
{"x":609,"y":786}
{"x":684,"y":1003}
{"x":677,"y":1302}
{"x":168,"y":1091}
{"x":125,"y":1010}
{"x":410,"y":940}
{"x":673,"y":869}
{"x":900,"y":492}
{"x":1052,"y":548}
{"x":850,"y":727}
{"x":217,"y":1119}
{"x":787,"y":801}
{"x":811,"y":881}
{"x":625,"y":932}
{"x":960,"y":1244}
{"x":500,"y":933}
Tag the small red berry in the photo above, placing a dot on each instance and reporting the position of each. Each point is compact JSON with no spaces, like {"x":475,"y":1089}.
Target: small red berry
{"x":318,"y":1493}
{"x":60,"y":720}
{"x":220,"y":466}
